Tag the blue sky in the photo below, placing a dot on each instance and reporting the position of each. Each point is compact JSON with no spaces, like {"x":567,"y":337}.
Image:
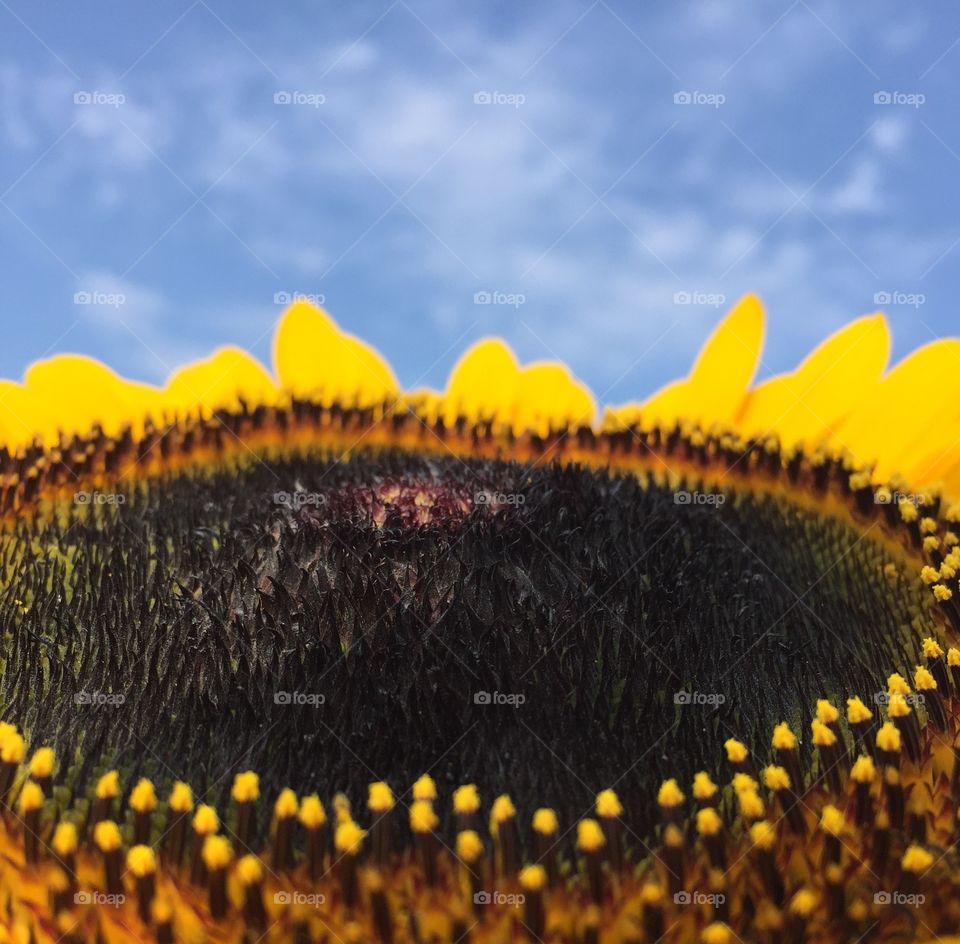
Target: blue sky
{"x":608,"y":176}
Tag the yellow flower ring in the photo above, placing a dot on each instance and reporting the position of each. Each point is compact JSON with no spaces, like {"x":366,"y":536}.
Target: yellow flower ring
{"x":840,"y":825}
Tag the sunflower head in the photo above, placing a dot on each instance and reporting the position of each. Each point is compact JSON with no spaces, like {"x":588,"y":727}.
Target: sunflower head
{"x":680,"y":670}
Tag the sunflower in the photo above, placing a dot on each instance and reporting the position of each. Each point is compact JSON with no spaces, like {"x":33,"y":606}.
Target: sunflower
{"x":301,"y":656}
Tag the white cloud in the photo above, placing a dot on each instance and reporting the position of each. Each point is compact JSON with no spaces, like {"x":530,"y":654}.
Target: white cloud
{"x":900,"y":36}
{"x":859,"y":192}
{"x":889,"y":134}
{"x":14,"y":123}
{"x":135,"y":320}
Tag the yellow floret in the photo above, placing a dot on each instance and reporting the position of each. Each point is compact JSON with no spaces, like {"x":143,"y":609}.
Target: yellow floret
{"x":670,"y":795}
{"x":703,"y":787}
{"x":141,"y":861}
{"x":888,"y":738}
{"x":422,"y":817}
{"x":217,"y":852}
{"x":827,"y":713}
{"x":143,"y":797}
{"x":857,"y":711}
{"x":106,"y":835}
{"x":776,"y":778}
{"x":108,"y":786}
{"x":43,"y":763}
{"x":206,"y":820}
{"x":783,"y":738}
{"x":380,"y":797}
{"x":608,"y":804}
{"x":751,"y":805}
{"x":250,"y":870}
{"x":312,"y":814}
{"x":863,"y":769}
{"x":736,"y":750}
{"x":832,"y":820}
{"x":469,"y":846}
{"x":502,"y":809}
{"x":466,"y":799}
{"x":286,"y":804}
{"x":31,"y":797}
{"x":545,"y":822}
{"x":590,"y":836}
{"x":349,"y":838}
{"x":804,"y":902}
{"x":916,"y":859}
{"x":425,"y":789}
{"x":821,"y":735}
{"x":64,"y":839}
{"x":763,"y":834}
{"x":716,"y":933}
{"x":708,"y":822}
{"x":923,"y":679}
{"x":246,"y":787}
{"x":181,"y":797}
{"x":533,"y":878}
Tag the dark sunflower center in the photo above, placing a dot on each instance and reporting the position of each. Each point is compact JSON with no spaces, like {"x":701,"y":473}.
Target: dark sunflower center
{"x":548,"y":631}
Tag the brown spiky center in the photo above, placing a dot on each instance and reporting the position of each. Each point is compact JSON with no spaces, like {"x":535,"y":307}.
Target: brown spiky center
{"x":464,"y":610}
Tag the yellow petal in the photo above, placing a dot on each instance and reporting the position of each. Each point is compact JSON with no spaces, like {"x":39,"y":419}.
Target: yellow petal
{"x":550,"y":398}
{"x":425,"y":402}
{"x":313,"y":358}
{"x":805,"y":406}
{"x":20,"y":416}
{"x":227,"y":379}
{"x":487,"y":384}
{"x":895,"y":428}
{"x":714,"y":389}
{"x":483,"y":384}
{"x":372,"y":375}
{"x":931,"y":455}
{"x":942,"y":467}
{"x":73,"y":393}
